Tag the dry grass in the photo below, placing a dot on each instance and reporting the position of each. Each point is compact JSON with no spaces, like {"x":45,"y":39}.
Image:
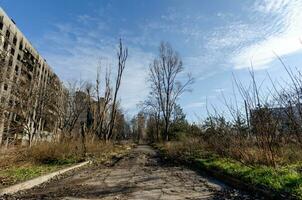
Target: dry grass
{"x":242,"y":150}
{"x":55,"y":153}
{"x":286,"y":177}
{"x":19,"y":164}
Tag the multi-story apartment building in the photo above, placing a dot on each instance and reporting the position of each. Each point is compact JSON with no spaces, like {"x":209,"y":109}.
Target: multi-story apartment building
{"x":24,"y":75}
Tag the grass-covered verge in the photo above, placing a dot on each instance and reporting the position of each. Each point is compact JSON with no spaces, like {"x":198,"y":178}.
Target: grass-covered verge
{"x":285,"y":179}
{"x":16,"y":174}
{"x":21,"y":164}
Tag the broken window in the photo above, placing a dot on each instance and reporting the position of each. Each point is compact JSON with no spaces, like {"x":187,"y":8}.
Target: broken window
{"x":10,"y":63}
{"x":5,"y":87}
{"x":21,"y":46}
{"x":5,"y":46}
{"x":12,"y":51}
{"x":29,"y":77}
{"x":17,"y":70}
{"x":15,"y":40}
{"x":11,"y":102}
{"x":7,"y":33}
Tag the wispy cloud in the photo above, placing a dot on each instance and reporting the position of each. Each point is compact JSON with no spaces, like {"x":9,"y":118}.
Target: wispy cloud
{"x":210,"y":44}
{"x":75,"y":53}
{"x":285,"y":32}
{"x":271,"y":26}
{"x":194,"y":105}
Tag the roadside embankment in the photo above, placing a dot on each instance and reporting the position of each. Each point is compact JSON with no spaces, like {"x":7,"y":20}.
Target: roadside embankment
{"x":283,"y":182}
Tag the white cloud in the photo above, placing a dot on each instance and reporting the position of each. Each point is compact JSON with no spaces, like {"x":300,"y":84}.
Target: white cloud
{"x":284,"y":31}
{"x":194,"y":105}
{"x":75,"y":55}
{"x":268,"y":27}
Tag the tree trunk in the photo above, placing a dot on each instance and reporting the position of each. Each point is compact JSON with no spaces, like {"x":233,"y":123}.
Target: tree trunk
{"x":83,"y":139}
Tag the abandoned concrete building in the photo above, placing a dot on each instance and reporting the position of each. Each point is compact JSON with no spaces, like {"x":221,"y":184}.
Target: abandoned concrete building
{"x":22,"y":69}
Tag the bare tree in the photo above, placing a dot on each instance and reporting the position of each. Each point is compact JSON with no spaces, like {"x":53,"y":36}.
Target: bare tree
{"x":122,"y":55}
{"x":102,"y":105}
{"x":3,"y":65}
{"x":164,"y":72}
{"x":153,"y":108}
{"x":75,"y":104}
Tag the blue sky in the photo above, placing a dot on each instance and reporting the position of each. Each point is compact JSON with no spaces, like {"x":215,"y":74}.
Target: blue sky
{"x":214,"y":38}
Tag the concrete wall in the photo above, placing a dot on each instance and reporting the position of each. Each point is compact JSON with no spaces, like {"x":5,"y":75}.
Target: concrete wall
{"x":23,"y":62}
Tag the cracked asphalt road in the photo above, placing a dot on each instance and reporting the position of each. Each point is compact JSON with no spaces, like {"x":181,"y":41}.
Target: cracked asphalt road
{"x":139,"y":175}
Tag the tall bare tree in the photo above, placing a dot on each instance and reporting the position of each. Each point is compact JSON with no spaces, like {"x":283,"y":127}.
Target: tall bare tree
{"x":165,"y":83}
{"x":122,"y":55}
{"x":101,"y":105}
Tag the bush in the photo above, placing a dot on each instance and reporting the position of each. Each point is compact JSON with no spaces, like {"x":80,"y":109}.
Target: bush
{"x":55,"y":152}
{"x":286,"y":178}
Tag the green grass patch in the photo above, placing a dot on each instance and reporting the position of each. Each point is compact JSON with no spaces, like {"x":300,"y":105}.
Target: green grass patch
{"x":15,"y":175}
{"x":281,"y":179}
{"x":286,"y":178}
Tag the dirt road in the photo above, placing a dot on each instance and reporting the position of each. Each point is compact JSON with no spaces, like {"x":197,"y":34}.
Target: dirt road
{"x":140,"y":175}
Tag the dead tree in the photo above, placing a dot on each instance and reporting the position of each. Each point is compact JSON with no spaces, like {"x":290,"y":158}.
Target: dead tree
{"x":122,"y":55}
{"x":3,"y":65}
{"x":152,"y":107}
{"x":163,"y":75}
{"x":75,"y":103}
{"x":102,"y":106}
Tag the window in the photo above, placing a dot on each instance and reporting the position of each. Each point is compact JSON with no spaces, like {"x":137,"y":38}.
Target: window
{"x":15,"y":40}
{"x":12,"y":51}
{"x":17,"y":70}
{"x":11,"y":102}
{"x":18,"y":118}
{"x":19,"y":57}
{"x":7,"y":33}
{"x":1,"y":25}
{"x":20,"y":46}
{"x":5,"y":87}
{"x":5,"y":46}
{"x":10,"y":63}
{"x":29,"y":77}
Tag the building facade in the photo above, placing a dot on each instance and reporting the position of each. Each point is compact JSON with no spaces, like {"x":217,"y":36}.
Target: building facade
{"x":24,"y":77}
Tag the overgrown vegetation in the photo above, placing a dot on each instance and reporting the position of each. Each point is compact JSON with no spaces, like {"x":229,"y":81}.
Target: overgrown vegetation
{"x":26,"y":163}
{"x":257,"y":137}
{"x":49,"y":125}
{"x":282,"y":179}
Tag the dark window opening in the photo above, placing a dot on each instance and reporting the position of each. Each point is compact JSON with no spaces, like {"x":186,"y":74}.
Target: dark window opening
{"x":18,"y":118}
{"x":19,"y":57}
{"x":5,"y":87}
{"x":15,"y":41}
{"x":29,"y":77}
{"x":12,"y":51}
{"x":1,"y":25}
{"x":17,"y":70}
{"x":10,"y":63}
{"x":7,"y":33}
{"x":5,"y":46}
{"x":20,"y":46}
{"x":11,"y":102}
